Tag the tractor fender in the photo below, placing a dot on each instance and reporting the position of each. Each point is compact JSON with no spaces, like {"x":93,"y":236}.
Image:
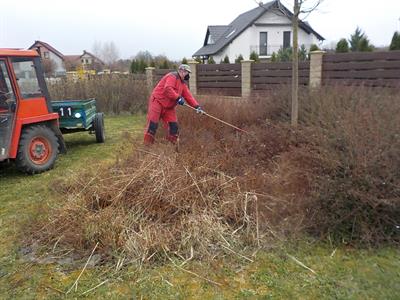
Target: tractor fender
{"x":53,"y":124}
{"x":62,"y":147}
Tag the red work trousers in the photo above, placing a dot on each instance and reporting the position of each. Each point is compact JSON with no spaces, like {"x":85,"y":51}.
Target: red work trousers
{"x":168,"y":115}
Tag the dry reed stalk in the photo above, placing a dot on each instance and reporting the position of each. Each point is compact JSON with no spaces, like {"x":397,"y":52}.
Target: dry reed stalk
{"x":197,"y":186}
{"x":190,"y":272}
{"x":238,"y":254}
{"x":301,"y":264}
{"x":93,"y":288}
{"x":84,"y":268}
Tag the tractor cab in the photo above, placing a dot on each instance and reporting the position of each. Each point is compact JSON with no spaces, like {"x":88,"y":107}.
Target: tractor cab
{"x":29,"y":132}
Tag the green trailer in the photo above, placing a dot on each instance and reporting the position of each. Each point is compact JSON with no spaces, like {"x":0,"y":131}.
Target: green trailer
{"x":80,"y":115}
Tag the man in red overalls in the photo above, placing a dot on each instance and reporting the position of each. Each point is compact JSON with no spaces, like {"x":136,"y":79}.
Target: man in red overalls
{"x":170,"y":91}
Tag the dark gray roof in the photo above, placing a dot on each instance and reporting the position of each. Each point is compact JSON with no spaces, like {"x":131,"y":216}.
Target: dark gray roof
{"x":216,"y":32}
{"x":224,"y":34}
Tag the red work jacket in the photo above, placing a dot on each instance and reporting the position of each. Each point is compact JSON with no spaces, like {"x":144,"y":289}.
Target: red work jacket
{"x":170,"y":88}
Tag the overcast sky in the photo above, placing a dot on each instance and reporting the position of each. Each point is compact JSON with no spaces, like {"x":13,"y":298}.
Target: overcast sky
{"x":175,"y":28}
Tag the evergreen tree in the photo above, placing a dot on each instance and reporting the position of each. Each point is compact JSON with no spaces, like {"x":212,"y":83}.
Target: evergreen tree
{"x":355,"y":39}
{"x":184,"y":61}
{"x":342,"y":46}
{"x":226,"y":60}
{"x":239,"y":59}
{"x":198,"y":59}
{"x":302,"y":53}
{"x":211,"y":60}
{"x":142,"y":65}
{"x":284,"y":54}
{"x":254,"y":56}
{"x":364,"y":45}
{"x":164,"y":64}
{"x":134,"y":66}
{"x":314,"y":47}
{"x":395,"y":44}
{"x":359,"y":41}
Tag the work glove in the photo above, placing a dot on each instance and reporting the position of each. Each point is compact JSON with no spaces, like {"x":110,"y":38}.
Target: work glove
{"x":180,"y":101}
{"x":199,"y":110}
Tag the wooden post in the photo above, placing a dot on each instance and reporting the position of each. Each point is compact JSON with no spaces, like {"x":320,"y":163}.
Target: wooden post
{"x":246,"y":77}
{"x":150,"y":78}
{"x":193,"y":77}
{"x":316,"y":58}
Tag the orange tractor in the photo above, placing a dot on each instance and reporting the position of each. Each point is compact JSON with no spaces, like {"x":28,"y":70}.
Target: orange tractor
{"x":29,"y":129}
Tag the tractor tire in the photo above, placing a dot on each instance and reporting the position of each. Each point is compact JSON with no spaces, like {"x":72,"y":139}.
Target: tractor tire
{"x":98,"y":126}
{"x":37,"y":149}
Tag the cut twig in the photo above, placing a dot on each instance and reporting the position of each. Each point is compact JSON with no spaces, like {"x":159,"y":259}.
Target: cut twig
{"x":163,"y":279}
{"x":301,"y":264}
{"x":93,"y":288}
{"x":238,"y":254}
{"x":84,"y":268}
{"x":190,"y":258}
{"x":55,"y":289}
{"x":198,"y":188}
{"x":190,"y":272}
{"x":333,"y":252}
{"x":148,"y":152}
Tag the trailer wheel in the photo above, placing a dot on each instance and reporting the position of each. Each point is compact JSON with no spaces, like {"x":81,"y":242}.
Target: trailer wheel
{"x":37,"y":149}
{"x":98,"y":125}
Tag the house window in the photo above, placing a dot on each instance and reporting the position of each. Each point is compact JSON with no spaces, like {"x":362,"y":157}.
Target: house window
{"x":263,"y":43}
{"x":286,"y":39}
{"x":46,"y":55}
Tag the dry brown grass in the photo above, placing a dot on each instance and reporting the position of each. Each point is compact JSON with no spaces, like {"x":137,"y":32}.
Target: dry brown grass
{"x":335,"y":175}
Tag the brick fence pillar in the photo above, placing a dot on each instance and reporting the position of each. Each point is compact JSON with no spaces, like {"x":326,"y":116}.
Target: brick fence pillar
{"x":150,"y":76}
{"x":193,"y":77}
{"x":246,"y":77}
{"x":316,"y":68}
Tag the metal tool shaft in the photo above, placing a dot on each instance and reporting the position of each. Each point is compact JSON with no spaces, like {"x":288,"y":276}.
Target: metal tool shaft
{"x":219,"y":120}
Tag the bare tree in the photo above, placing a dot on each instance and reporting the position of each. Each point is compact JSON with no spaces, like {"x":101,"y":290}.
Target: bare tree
{"x":110,"y":53}
{"x":107,"y":52}
{"x":97,"y":49}
{"x":300,"y":7}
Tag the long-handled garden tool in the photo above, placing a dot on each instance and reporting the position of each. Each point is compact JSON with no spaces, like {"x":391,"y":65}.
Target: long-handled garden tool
{"x":219,"y":120}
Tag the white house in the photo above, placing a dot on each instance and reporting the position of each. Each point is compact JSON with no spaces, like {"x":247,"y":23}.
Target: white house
{"x":264,"y":29}
{"x":49,"y":53}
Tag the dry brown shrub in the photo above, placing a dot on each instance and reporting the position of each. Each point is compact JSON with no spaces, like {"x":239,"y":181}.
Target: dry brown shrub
{"x":358,"y":196}
{"x":115,"y":93}
{"x":336,"y":174}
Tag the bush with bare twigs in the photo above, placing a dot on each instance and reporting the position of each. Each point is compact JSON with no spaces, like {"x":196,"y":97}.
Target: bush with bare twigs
{"x":115,"y":93}
{"x":335,"y":175}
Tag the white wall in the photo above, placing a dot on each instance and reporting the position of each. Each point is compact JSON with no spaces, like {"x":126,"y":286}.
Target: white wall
{"x":59,"y":66}
{"x":249,"y":39}
{"x":88,"y":58}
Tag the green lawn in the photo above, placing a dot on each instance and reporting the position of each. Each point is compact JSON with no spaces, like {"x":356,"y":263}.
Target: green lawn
{"x":343,"y":273}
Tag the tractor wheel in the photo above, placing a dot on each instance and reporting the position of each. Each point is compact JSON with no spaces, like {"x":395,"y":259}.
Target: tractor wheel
{"x":98,"y":125}
{"x":37,"y":149}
